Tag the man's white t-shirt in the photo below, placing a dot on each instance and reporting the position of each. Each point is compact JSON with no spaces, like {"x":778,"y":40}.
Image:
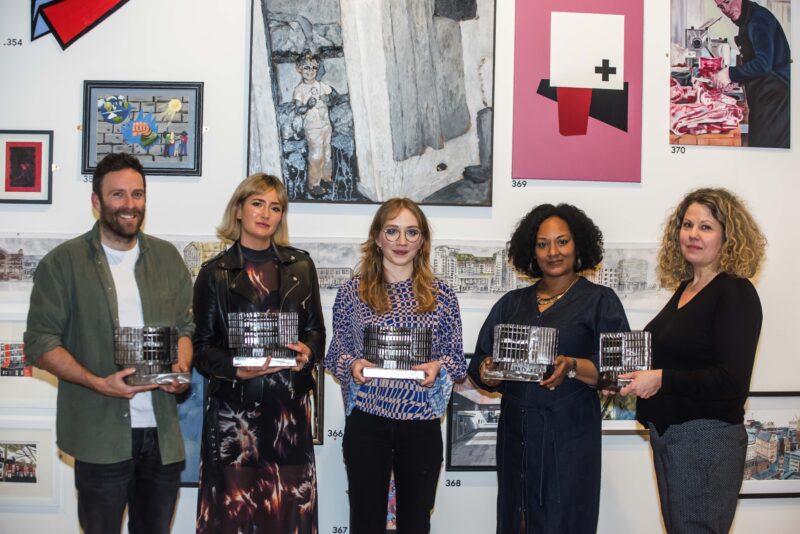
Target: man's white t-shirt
{"x":129,"y":311}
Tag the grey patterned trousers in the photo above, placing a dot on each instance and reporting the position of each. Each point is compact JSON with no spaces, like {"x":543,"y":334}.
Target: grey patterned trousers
{"x":699,"y":467}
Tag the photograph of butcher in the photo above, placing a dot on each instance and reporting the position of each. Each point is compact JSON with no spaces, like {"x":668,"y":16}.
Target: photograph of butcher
{"x":730,"y":63}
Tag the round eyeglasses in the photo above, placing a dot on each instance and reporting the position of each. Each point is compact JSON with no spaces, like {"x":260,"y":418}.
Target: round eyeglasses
{"x":392,"y":233}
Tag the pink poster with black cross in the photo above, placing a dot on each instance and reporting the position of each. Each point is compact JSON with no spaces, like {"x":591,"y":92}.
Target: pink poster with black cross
{"x":578,"y":90}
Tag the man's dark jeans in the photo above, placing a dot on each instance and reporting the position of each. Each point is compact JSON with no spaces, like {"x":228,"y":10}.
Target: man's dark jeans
{"x":149,"y":488}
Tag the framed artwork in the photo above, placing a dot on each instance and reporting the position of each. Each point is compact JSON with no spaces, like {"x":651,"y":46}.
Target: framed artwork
{"x":351,"y":115}
{"x":26,"y":160}
{"x":772,"y":465}
{"x":578,"y":90}
{"x":722,"y":90}
{"x":29,"y":467}
{"x":69,"y":21}
{"x":472,"y":417}
{"x":619,"y":415}
{"x":158,"y":122}
{"x":190,"y":418}
{"x":12,"y":359}
{"x":318,"y":403}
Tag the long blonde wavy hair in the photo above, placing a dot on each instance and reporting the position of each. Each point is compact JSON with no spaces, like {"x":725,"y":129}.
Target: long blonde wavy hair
{"x":372,"y":289}
{"x":743,"y":244}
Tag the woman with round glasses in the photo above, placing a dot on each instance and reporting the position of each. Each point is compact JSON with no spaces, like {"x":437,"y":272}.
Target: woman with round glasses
{"x":394,"y":425}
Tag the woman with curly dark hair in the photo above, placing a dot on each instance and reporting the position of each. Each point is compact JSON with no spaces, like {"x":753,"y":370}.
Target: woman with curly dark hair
{"x":704,"y":346}
{"x":548,"y":442}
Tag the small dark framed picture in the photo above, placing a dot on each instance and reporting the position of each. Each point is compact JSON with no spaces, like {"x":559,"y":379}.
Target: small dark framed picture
{"x":158,"y":122}
{"x":772,"y":463}
{"x":26,"y":160}
{"x":472,"y":418}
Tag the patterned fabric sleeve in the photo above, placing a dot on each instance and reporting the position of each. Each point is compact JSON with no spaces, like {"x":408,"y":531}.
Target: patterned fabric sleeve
{"x":449,"y":347}
{"x":341,"y":352}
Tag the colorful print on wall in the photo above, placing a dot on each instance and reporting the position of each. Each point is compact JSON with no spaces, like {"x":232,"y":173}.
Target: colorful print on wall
{"x":69,"y":20}
{"x":578,"y":90}
{"x":12,"y":356}
{"x":26,"y":161}
{"x":347,"y":114}
{"x":730,"y":63}
{"x":158,"y":122}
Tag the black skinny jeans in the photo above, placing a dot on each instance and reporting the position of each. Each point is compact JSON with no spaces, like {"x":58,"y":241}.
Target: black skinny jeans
{"x":149,"y":488}
{"x":374,"y":447}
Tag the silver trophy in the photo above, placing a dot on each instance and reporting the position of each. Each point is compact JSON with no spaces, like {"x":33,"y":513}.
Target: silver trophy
{"x":620,"y":353}
{"x":395,"y":350}
{"x":253,"y":336}
{"x":522,"y":353}
{"x":151,"y":350}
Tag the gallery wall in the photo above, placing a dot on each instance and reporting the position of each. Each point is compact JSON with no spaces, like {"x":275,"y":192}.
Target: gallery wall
{"x":183,"y":40}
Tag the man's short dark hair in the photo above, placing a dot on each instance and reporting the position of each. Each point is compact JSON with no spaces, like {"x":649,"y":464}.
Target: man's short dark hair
{"x":112,"y":163}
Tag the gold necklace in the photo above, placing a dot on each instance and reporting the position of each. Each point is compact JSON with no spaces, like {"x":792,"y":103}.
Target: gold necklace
{"x":544,"y":301}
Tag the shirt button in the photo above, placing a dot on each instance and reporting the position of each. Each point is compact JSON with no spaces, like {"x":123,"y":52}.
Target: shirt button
{"x":125,"y":415}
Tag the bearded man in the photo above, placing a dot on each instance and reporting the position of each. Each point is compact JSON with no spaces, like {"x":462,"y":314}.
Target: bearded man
{"x":125,"y":439}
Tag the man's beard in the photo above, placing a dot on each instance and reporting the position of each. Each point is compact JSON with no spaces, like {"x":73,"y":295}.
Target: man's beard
{"x":109,"y":220}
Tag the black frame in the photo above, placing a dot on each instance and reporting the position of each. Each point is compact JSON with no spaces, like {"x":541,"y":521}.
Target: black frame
{"x":94,"y":88}
{"x":46,"y":178}
{"x":449,"y":465}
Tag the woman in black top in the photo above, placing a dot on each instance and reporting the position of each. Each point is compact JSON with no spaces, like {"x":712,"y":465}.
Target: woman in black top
{"x":257,"y":472}
{"x":704,"y":345}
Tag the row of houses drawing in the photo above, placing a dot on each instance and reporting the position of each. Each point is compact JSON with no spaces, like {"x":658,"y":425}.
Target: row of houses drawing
{"x":773,"y":452}
{"x":465,"y":268}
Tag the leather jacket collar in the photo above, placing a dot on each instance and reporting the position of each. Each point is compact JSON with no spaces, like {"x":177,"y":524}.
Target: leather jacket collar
{"x":233,"y":259}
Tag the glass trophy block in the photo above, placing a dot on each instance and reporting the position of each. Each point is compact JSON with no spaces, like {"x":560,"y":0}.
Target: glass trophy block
{"x":395,"y":350}
{"x":620,"y":353}
{"x":253,"y":336}
{"x":151,"y":350}
{"x":522,"y":353}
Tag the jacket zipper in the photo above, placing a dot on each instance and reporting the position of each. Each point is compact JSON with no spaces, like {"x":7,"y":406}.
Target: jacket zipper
{"x":283,"y":299}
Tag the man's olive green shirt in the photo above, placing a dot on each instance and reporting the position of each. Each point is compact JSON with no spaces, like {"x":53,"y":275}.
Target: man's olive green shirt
{"x":74,"y":305}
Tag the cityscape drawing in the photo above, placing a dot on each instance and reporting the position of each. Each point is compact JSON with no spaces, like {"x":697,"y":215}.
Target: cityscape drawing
{"x":476,"y":270}
{"x":772,"y":463}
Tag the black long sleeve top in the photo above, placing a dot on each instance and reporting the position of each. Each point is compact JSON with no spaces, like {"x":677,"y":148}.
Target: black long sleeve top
{"x":706,"y":350}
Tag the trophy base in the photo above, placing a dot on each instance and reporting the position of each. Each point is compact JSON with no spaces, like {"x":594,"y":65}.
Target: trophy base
{"x":516,"y":376}
{"x":158,"y":378}
{"x":398,"y":374}
{"x":609,"y":381}
{"x":259,"y":361}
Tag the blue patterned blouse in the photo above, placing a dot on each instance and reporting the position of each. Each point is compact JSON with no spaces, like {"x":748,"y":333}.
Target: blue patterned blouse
{"x":396,"y":399}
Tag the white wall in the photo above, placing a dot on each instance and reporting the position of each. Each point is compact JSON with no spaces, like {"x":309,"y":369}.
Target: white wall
{"x":186,"y":40}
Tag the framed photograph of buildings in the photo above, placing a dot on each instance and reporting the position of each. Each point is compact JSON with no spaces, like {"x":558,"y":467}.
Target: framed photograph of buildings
{"x":355,"y":101}
{"x":26,"y":163}
{"x":158,"y":122}
{"x":29,"y":466}
{"x":472,"y":418}
{"x":772,"y":465}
